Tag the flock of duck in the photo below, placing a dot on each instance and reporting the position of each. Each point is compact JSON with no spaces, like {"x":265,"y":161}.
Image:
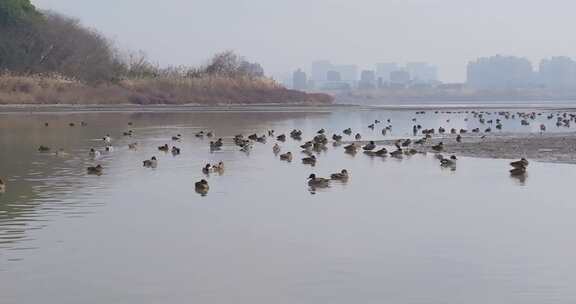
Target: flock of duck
{"x":320,"y":141}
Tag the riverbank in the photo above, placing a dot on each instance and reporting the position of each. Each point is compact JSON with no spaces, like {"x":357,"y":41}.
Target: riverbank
{"x":547,"y":147}
{"x":204,"y":90}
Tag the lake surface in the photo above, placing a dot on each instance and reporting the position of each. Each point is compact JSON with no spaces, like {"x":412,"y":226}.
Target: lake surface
{"x":399,"y":231}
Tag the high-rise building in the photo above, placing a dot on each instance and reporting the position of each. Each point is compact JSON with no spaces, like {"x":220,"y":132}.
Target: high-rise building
{"x":400,"y":77}
{"x":367,"y":79}
{"x":500,"y":72}
{"x":320,"y":70}
{"x":333,"y":76}
{"x":348,"y":73}
{"x":422,"y":72}
{"x":299,"y":80}
{"x":383,"y":70}
{"x":558,"y":73}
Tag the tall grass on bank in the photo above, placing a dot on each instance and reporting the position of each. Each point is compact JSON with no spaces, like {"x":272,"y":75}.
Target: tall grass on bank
{"x":206,"y":90}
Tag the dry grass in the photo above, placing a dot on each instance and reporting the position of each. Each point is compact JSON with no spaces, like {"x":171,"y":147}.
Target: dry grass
{"x":53,"y":89}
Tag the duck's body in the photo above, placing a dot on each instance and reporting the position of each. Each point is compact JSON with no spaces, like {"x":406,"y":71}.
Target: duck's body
{"x":98,"y":169}
{"x":150,"y":163}
{"x":93,"y":153}
{"x":219,"y":167}
{"x":318,"y":182}
{"x":347,"y":131}
{"x":518,"y":171}
{"x":2,"y":186}
{"x":133,"y":146}
{"x":439,"y":147}
{"x":109,"y":148}
{"x":202,"y":186}
{"x":358,"y":136}
{"x":351,"y":148}
{"x":341,"y":176}
{"x":448,"y":162}
{"x":286,"y":156}
{"x":207,"y":169}
{"x":370,"y":146}
{"x":175,"y":151}
{"x":398,"y":153}
{"x":522,"y":163}
{"x":309,"y":160}
{"x":43,"y":149}
{"x":281,"y":137}
{"x":164,"y":148}
{"x":276,"y":149}
{"x":107,"y":139}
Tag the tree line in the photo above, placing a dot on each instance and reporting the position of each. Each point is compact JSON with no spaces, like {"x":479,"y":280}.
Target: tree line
{"x":34,"y":42}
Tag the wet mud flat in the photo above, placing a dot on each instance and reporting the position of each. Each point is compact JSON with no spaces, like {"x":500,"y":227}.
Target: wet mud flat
{"x":546,"y":147}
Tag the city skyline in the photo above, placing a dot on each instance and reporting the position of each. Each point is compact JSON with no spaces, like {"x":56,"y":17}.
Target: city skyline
{"x":447,"y":33}
{"x":499,"y":71}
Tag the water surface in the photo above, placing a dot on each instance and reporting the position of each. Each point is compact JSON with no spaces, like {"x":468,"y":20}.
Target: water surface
{"x":400,"y":231}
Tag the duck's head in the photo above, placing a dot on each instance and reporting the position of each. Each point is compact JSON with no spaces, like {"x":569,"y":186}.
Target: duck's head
{"x":453,"y":157}
{"x":344,"y":171}
{"x":312,"y":176}
{"x":203,"y":182}
{"x":92,"y":150}
{"x":153,"y":158}
{"x":371,"y":142}
{"x":98,"y":166}
{"x":207,"y":167}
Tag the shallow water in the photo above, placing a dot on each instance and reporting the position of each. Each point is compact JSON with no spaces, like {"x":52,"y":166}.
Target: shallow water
{"x":400,"y":231}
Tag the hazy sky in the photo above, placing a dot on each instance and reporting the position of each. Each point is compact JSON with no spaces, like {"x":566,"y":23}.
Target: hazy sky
{"x":287,"y":34}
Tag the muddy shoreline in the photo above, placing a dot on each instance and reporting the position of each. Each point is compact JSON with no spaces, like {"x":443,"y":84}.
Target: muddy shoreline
{"x":547,"y":147}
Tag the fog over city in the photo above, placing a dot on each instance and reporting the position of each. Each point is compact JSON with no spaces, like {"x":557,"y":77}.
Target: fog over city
{"x":286,"y":35}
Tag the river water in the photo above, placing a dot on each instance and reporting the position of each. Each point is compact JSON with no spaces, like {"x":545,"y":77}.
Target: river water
{"x":399,"y":231}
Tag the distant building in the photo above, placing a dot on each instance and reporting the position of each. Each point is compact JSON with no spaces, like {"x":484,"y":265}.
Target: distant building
{"x":367,"y":80}
{"x":333,"y":76}
{"x":383,"y":70}
{"x":348,"y":73}
{"x":299,"y":80}
{"x":320,"y":70}
{"x":399,"y":77}
{"x":557,"y":73}
{"x":422,"y":72}
{"x":500,"y":72}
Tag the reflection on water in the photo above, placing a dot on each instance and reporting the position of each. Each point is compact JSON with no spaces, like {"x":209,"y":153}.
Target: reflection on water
{"x":462,"y":233}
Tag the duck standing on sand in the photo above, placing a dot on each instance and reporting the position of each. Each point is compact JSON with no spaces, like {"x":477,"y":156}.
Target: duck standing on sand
{"x":341,"y":176}
{"x":358,"y":136}
{"x":318,"y":182}
{"x":439,"y":147}
{"x":2,"y":186}
{"x":370,"y":146}
{"x":43,"y":149}
{"x":107,"y":139}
